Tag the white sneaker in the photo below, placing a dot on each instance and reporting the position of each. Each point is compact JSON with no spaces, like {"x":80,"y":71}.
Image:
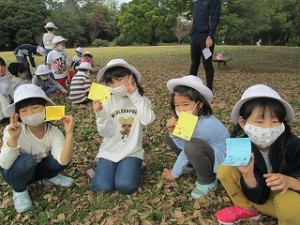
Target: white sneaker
{"x":22,"y":201}
{"x":60,"y":180}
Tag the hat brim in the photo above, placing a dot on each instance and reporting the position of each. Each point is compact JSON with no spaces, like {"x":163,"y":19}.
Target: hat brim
{"x":201,"y":88}
{"x":290,"y":114}
{"x":56,"y":28}
{"x":12,"y":107}
{"x":131,"y":68}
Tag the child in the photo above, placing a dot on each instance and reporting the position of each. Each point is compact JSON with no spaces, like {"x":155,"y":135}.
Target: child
{"x":88,"y":57}
{"x":77,"y":57}
{"x":45,"y":82}
{"x":270,"y":183}
{"x":8,"y":86}
{"x":206,"y":149}
{"x":75,"y":62}
{"x":2,"y":67}
{"x":81,"y":84}
{"x":121,"y":122}
{"x":57,"y":61}
{"x":4,"y":99}
{"x":48,"y":37}
{"x":32,"y":149}
{"x":19,"y":72}
{"x":27,"y":50}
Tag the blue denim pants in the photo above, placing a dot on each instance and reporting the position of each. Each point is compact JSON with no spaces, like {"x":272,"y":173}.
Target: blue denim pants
{"x":123,"y":176}
{"x":25,"y":170}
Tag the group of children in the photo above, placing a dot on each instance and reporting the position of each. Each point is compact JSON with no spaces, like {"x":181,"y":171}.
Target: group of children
{"x":55,"y":76}
{"x":270,"y":183}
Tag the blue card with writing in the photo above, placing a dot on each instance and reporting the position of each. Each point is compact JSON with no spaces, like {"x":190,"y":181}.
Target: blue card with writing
{"x":238,"y":151}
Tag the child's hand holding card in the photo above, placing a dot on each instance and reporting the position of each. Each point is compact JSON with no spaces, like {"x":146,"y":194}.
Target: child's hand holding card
{"x":99,"y":92}
{"x":185,"y":126}
{"x":238,"y":151}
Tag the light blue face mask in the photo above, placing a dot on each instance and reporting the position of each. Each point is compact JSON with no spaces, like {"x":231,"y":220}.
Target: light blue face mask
{"x":190,"y":111}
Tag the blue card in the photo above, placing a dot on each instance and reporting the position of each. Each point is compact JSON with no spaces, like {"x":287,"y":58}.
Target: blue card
{"x":238,"y":151}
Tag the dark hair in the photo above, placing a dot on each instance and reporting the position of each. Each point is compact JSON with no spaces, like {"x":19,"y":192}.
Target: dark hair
{"x":2,"y":62}
{"x":275,"y":107}
{"x":193,"y":95}
{"x":49,"y":29}
{"x":16,"y":68}
{"x":280,"y":146}
{"x":117,"y":72}
{"x":30,"y":101}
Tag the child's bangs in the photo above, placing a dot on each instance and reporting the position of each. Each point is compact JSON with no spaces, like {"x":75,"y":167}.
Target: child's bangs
{"x":29,"y":102}
{"x":115,"y":72}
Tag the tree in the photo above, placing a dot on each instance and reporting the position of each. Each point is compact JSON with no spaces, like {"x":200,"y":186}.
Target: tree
{"x":20,"y":22}
{"x":145,"y":21}
{"x":182,"y":29}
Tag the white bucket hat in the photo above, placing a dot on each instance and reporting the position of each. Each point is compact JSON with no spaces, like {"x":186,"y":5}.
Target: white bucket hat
{"x":51,"y":25}
{"x":79,"y":49}
{"x":58,"y":39}
{"x":84,"y":66}
{"x":41,"y":50}
{"x":122,"y":63}
{"x":261,"y":91}
{"x":26,"y":91}
{"x":87,"y":53}
{"x":193,"y":82}
{"x":42,"y":70}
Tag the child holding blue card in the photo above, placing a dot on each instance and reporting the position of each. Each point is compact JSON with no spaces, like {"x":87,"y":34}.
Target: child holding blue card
{"x":270,"y":182}
{"x":206,"y":149}
{"x":120,"y":122}
{"x":33,"y":149}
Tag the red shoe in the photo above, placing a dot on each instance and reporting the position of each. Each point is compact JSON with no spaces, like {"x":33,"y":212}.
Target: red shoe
{"x":232,"y":214}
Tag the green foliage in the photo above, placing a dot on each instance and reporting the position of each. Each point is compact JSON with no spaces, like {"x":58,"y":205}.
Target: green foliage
{"x":145,"y":21}
{"x":22,"y":22}
{"x":100,"y":43}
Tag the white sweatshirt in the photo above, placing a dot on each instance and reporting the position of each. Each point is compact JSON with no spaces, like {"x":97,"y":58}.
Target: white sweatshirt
{"x":120,"y":122}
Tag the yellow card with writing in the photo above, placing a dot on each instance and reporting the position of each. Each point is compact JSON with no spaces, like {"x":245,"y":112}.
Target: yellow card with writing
{"x":185,"y":126}
{"x":56,"y":112}
{"x":99,"y":92}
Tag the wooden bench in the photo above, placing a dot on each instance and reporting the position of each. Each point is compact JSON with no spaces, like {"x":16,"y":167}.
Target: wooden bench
{"x":223,"y":61}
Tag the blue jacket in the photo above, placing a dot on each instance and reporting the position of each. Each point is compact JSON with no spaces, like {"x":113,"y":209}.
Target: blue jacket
{"x":206,"y":17}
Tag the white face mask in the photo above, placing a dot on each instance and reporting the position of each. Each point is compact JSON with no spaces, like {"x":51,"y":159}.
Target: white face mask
{"x":61,"y":48}
{"x":44,"y":77}
{"x":190,"y":111}
{"x":263,"y":137}
{"x":119,"y":91}
{"x":34,"y":119}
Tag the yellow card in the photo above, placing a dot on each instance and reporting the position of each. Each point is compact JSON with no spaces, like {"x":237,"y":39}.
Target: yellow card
{"x":56,"y":112}
{"x":99,"y":92}
{"x":185,"y":126}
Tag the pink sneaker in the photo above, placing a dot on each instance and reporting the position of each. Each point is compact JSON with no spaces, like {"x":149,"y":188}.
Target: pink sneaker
{"x":229,"y":215}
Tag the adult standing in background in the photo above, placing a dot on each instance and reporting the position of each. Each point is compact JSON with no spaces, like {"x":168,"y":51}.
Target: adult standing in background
{"x":27,"y":50}
{"x":48,"y":37}
{"x":206,"y":17}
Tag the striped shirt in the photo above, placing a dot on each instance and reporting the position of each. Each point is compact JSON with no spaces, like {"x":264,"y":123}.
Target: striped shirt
{"x":80,"y":87}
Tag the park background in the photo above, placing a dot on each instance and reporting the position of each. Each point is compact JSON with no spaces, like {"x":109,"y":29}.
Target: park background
{"x":146,"y":22}
{"x":157,"y":201}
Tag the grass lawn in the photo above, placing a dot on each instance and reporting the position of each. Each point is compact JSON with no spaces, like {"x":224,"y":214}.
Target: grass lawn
{"x":157,"y":201}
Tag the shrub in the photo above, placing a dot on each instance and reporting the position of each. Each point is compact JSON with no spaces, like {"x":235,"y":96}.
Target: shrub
{"x":100,"y":43}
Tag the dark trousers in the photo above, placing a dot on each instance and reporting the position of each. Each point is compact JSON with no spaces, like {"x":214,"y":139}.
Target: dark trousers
{"x":196,"y":55}
{"x":200,"y":155}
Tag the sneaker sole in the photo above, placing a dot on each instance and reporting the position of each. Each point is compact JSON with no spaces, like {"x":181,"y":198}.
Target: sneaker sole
{"x":254,"y":218}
